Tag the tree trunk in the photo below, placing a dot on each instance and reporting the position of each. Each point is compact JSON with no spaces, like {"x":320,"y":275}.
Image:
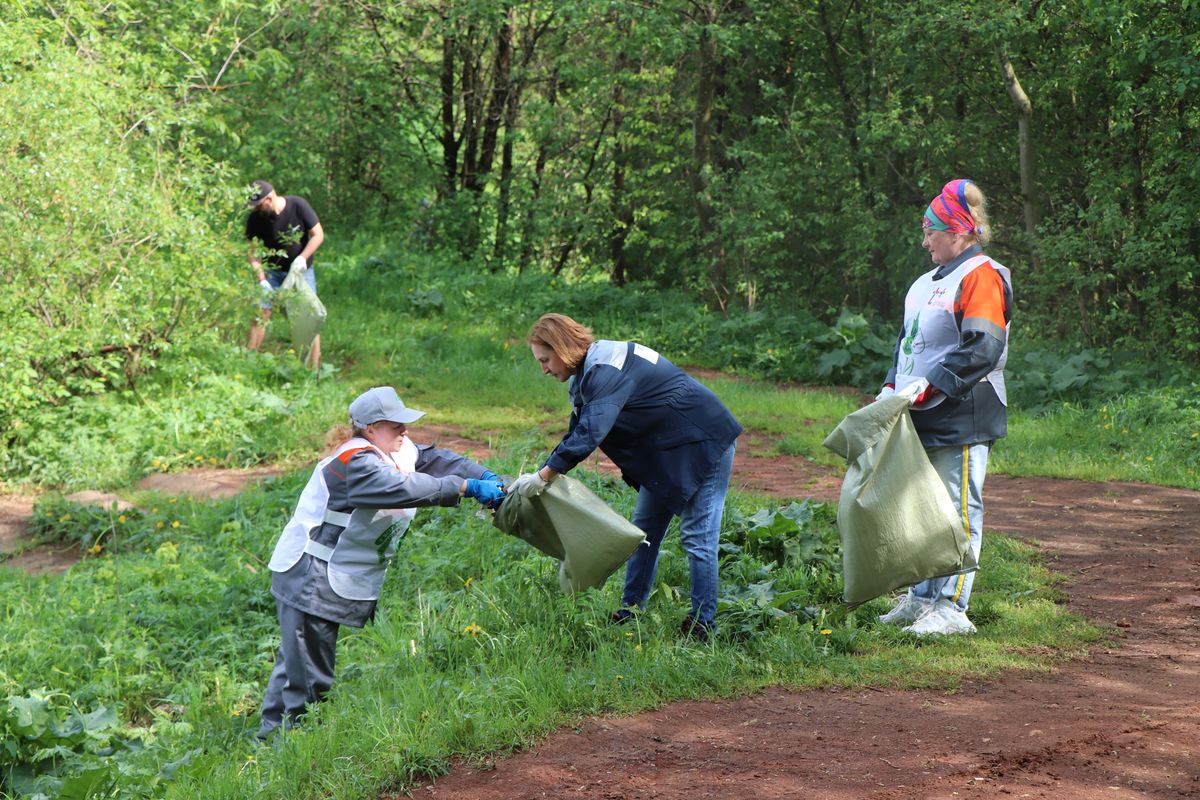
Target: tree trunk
{"x":1026,"y":153}
{"x":449,"y":134}
{"x":622,"y":213}
{"x":506,"y":170}
{"x":702,"y":158}
{"x":539,"y":168}
{"x":472,"y":111}
{"x":498,"y":102}
{"x":568,"y":246}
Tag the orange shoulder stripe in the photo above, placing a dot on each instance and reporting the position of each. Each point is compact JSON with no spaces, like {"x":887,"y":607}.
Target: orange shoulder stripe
{"x":345,"y":457}
{"x":981,"y":295}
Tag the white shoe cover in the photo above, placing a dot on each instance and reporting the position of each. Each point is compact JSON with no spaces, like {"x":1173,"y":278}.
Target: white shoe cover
{"x":908,"y":608}
{"x":942,"y":619}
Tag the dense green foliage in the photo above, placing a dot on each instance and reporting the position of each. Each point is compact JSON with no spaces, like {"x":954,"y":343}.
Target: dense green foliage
{"x":110,"y":212}
{"x":734,"y":151}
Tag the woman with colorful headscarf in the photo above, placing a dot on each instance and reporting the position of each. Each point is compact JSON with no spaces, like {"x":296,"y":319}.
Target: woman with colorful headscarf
{"x":950,"y":357}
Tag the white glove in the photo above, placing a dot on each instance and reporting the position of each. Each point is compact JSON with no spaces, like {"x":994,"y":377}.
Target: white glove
{"x":913,"y":391}
{"x":266,"y":286}
{"x":886,"y":391}
{"x":531,"y":484}
{"x":299,"y":264}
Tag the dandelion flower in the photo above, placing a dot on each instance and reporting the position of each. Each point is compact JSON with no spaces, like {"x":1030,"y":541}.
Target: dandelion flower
{"x":826,"y":631}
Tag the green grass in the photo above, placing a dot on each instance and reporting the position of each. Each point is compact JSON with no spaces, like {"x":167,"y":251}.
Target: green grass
{"x":798,"y":419}
{"x":1151,"y":438}
{"x":474,"y":650}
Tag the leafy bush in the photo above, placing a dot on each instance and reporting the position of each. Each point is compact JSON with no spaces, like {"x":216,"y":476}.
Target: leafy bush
{"x":115,"y":243}
{"x":1042,"y":378}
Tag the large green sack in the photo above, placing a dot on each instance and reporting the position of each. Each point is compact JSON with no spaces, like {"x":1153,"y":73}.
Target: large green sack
{"x":570,"y":523}
{"x":305,"y":311}
{"x":897,"y":523}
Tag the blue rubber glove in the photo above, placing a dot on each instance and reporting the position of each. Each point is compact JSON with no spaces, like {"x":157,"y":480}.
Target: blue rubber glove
{"x":488,"y":493}
{"x":488,"y":475}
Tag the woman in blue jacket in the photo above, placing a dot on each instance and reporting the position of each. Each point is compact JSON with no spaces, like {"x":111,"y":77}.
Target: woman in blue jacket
{"x":671,"y":437}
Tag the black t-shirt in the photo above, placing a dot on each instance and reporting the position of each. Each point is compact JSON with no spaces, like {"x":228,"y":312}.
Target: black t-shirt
{"x":285,"y":235}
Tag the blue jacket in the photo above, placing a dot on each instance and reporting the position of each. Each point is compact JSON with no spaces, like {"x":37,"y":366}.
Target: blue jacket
{"x":665,"y":430}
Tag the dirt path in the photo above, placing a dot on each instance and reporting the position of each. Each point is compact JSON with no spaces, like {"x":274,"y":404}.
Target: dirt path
{"x":1122,"y":723}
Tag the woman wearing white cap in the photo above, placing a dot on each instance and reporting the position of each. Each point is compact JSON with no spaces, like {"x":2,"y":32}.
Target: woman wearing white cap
{"x":330,"y":561}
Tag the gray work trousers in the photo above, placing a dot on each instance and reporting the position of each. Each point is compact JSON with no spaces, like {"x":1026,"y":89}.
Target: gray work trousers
{"x":303,"y":667}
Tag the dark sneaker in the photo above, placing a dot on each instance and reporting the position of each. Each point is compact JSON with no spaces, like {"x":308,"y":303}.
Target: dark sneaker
{"x":694,"y":629}
{"x":620,"y":616}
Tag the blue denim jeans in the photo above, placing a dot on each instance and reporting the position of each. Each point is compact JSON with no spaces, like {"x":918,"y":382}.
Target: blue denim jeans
{"x":699,"y":533}
{"x":962,"y":468}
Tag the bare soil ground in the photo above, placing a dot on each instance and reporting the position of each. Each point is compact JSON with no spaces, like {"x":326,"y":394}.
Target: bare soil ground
{"x":1121,"y":723}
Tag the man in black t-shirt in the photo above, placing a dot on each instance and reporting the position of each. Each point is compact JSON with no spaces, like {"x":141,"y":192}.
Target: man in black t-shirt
{"x":288,"y":228}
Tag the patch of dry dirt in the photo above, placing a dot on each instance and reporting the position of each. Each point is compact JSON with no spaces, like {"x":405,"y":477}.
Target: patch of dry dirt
{"x":206,"y":482}
{"x":15,"y":511}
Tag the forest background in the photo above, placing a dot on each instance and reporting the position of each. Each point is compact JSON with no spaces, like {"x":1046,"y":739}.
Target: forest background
{"x":738,"y":184}
{"x":767,"y":160}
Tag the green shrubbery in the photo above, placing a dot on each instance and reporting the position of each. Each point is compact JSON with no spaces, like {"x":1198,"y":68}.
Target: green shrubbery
{"x":115,"y":229}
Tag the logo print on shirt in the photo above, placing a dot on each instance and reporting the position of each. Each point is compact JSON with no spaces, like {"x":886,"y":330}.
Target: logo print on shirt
{"x":914,"y":343}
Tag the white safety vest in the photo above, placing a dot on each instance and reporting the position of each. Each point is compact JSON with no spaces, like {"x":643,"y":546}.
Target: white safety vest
{"x":358,"y":562}
{"x":930,"y":330}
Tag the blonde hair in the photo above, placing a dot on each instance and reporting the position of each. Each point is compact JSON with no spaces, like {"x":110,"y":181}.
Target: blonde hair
{"x":341,"y":433}
{"x":977,"y":205}
{"x":567,"y":338}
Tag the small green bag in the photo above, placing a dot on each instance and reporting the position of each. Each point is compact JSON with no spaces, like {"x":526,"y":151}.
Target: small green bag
{"x":897,"y":523}
{"x":305,"y":311}
{"x":570,"y":523}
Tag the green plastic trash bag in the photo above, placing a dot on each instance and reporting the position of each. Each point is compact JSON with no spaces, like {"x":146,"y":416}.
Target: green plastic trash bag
{"x":896,"y":520}
{"x":305,"y":311}
{"x":570,"y":523}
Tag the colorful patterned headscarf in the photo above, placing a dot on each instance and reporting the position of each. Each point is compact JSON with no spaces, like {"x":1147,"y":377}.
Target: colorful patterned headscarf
{"x":949,"y":210}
